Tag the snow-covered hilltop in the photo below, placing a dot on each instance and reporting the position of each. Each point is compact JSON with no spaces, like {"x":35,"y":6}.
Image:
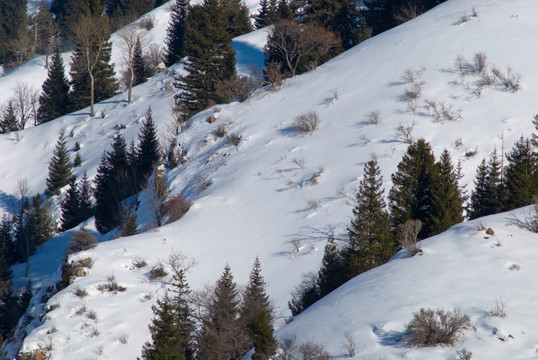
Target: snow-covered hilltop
{"x":257,"y":198}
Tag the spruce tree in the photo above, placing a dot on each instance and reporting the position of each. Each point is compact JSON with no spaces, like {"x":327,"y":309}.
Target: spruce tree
{"x":283,"y":10}
{"x":9,"y":121}
{"x":139,"y":66}
{"x":165,"y":333}
{"x":54,"y":100}
{"x":148,"y":152}
{"x":59,"y":168}
{"x":110,"y":186}
{"x":44,"y":30}
{"x":6,"y":242}
{"x":520,"y":180}
{"x":447,"y":203}
{"x":238,"y":17}
{"x":222,"y":335}
{"x":410,"y":197}
{"x":41,"y":222}
{"x":130,"y":228}
{"x":71,"y":206}
{"x":256,"y":314}
{"x":181,"y":291}
{"x":175,"y":33}
{"x":211,"y":58}
{"x":486,"y":199}
{"x":262,"y":18}
{"x":479,"y":194}
{"x":85,"y":203}
{"x":331,"y":273}
{"x":370,"y":238}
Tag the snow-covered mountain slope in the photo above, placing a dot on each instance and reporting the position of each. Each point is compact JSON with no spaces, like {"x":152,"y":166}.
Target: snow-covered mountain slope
{"x":261,"y":200}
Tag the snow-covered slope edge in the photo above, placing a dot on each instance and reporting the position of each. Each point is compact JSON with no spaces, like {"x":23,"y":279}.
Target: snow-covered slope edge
{"x":261,"y":200}
{"x":463,"y":268}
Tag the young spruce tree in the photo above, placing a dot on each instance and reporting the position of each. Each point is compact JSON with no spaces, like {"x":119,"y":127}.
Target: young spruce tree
{"x":59,"y":168}
{"x":520,"y":180}
{"x":371,"y":242}
{"x":175,"y":33}
{"x":54,"y":100}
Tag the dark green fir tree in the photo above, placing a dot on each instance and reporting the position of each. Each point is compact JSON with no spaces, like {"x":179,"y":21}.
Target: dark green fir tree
{"x":257,"y":315}
{"x":54,"y":100}
{"x":148,"y":152}
{"x":165,"y":333}
{"x":331,"y":273}
{"x":71,"y":206}
{"x":447,"y":203}
{"x":410,"y":197}
{"x":175,"y":33}
{"x":238,"y":17}
{"x":520,"y":176}
{"x":139,"y":66}
{"x":486,"y":198}
{"x":59,"y":168}
{"x":211,"y":58}
{"x":371,"y":242}
{"x":9,"y":121}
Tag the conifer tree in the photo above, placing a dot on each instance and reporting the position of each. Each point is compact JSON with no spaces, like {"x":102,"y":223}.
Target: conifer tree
{"x":283,"y":10}
{"x":520,"y":180}
{"x":211,"y":58}
{"x":148,"y":152}
{"x":370,"y":238}
{"x":9,"y":121}
{"x":410,"y":197}
{"x":59,"y":168}
{"x":222,"y":335}
{"x":44,"y":30}
{"x":175,"y":33}
{"x":110,"y":186}
{"x":130,"y":228}
{"x":41,"y":222}
{"x":447,"y":203}
{"x":256,"y":314}
{"x":139,"y":66}
{"x":85,"y":204}
{"x":486,"y":199}
{"x":180,"y":289}
{"x":262,"y":18}
{"x":54,"y":100}
{"x":71,"y":206}
{"x":6,"y":242}
{"x":331,"y":273}
{"x":238,"y":17}
{"x":165,"y":333}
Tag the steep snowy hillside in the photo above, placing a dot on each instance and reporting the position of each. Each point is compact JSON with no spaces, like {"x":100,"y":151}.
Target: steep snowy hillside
{"x":278,"y":194}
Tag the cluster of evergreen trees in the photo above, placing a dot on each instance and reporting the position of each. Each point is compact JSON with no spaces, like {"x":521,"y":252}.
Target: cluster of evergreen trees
{"x":123,"y":172}
{"x":423,"y":189}
{"x":228,"y":325}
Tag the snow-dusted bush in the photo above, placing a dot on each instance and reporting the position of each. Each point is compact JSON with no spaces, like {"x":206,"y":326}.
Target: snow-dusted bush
{"x":307,"y":122}
{"x":80,"y":241}
{"x":436,"y":327}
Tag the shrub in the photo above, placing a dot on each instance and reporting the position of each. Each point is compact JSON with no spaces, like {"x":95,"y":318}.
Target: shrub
{"x":175,"y":207}
{"x":233,"y":139}
{"x":404,"y":132}
{"x":238,"y":87}
{"x":498,"y":310}
{"x":139,"y":263}
{"x":111,"y":286}
{"x":220,"y":131}
{"x":307,"y":122}
{"x":479,"y":63}
{"x":312,"y":351}
{"x":80,"y":292}
{"x":273,"y":75}
{"x":157,"y":272}
{"x":436,"y":327}
{"x":80,"y":241}
{"x":509,"y":80}
{"x":408,"y":236}
{"x":464,"y":354}
{"x":373,"y":117}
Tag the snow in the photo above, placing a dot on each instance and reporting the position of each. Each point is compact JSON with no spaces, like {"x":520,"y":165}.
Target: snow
{"x":261,"y":202}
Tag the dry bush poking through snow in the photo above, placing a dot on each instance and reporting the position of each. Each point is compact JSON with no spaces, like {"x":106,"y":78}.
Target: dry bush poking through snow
{"x":157,"y":272}
{"x":498,"y":309}
{"x":436,"y":327}
{"x":373,"y":117}
{"x":408,"y":236}
{"x":509,"y":80}
{"x":404,"y":132}
{"x":307,"y":122}
{"x":80,"y":241}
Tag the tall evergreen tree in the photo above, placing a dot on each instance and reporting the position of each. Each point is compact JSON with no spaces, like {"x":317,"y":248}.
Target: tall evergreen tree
{"x":211,"y":58}
{"x":148,"y":153}
{"x":59,"y":168}
{"x":14,"y":24}
{"x":521,"y":174}
{"x":410,"y":197}
{"x":331,"y":273}
{"x":222,"y":336}
{"x":238,"y":17}
{"x":165,"y":333}
{"x":86,"y":205}
{"x":54,"y":100}
{"x":180,"y":289}
{"x":9,"y":121}
{"x":256,"y":314}
{"x":6,"y":243}
{"x":71,"y":206}
{"x":262,"y":18}
{"x":41,"y":222}
{"x":139,"y":66}
{"x":337,"y":16}
{"x":447,"y":203}
{"x":110,"y":186}
{"x":486,"y":199}
{"x":371,"y":242}
{"x":175,"y":32}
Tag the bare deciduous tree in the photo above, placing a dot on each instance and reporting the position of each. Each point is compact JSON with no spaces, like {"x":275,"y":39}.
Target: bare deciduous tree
{"x":409,"y":10}
{"x":292,"y":41}
{"x":91,"y":35}
{"x":128,"y":38}
{"x":25,"y":101}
